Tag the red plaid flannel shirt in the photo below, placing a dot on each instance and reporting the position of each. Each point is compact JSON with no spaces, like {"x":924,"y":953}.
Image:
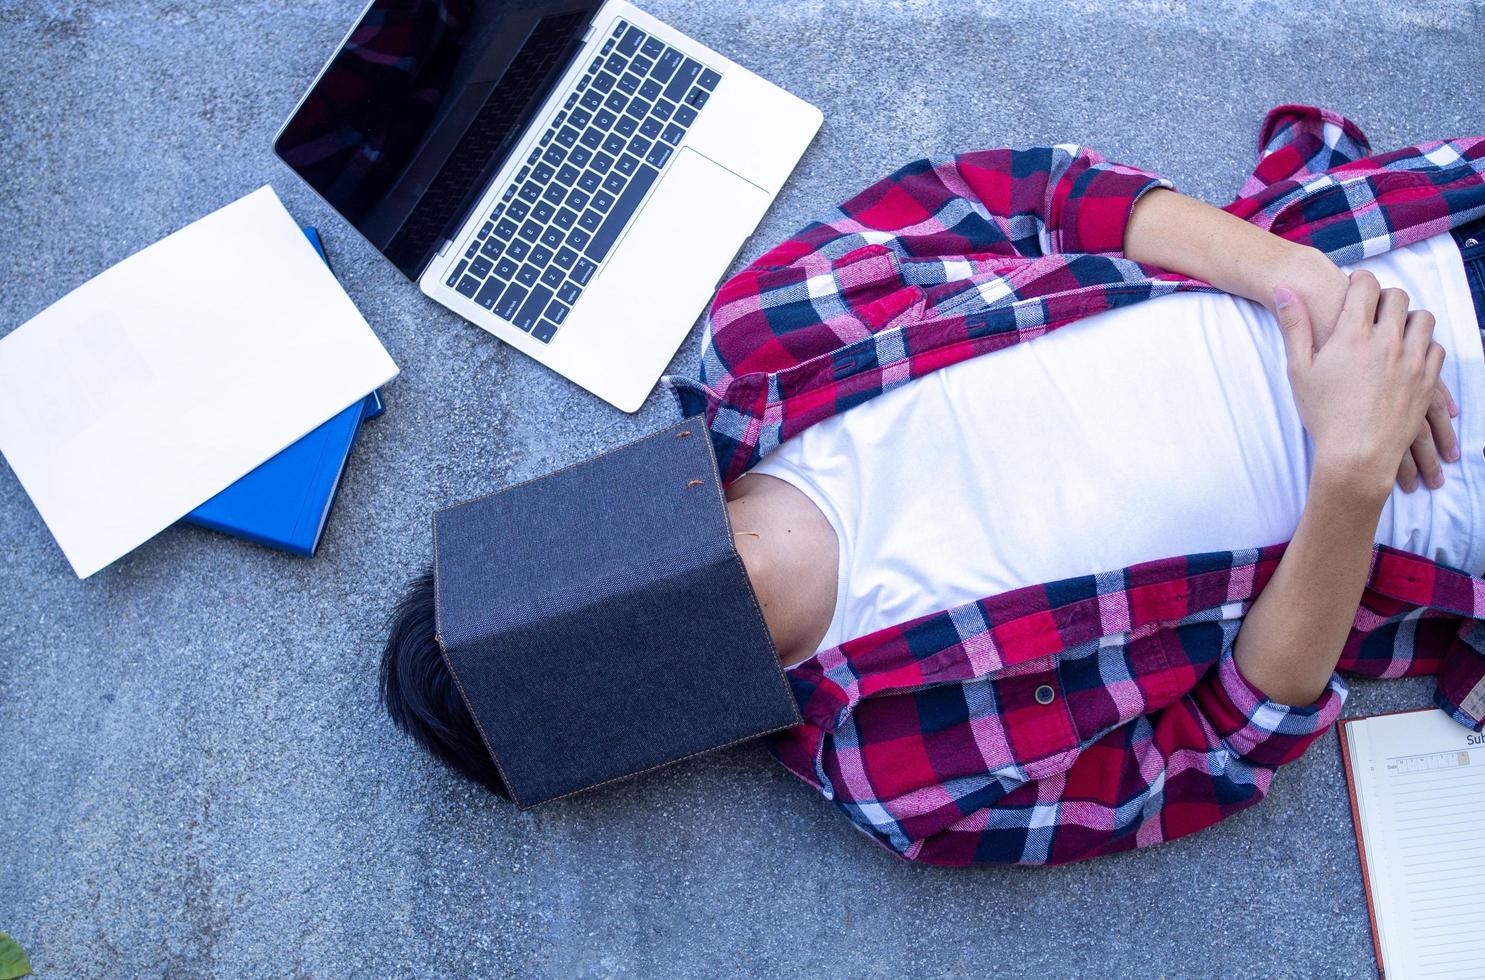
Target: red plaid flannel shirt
{"x":930,"y":734}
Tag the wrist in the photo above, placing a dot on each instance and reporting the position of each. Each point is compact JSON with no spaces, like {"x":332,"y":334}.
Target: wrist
{"x":1349,"y":483}
{"x":1304,"y":269}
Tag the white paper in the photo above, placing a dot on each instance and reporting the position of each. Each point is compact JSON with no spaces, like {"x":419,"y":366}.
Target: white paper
{"x":1420,"y":794}
{"x":157,"y":384}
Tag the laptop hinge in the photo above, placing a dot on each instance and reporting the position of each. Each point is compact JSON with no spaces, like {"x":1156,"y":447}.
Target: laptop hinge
{"x":444,"y":250}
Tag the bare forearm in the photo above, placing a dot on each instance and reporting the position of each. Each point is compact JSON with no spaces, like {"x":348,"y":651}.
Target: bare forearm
{"x":1181,"y":234}
{"x":1292,"y":637}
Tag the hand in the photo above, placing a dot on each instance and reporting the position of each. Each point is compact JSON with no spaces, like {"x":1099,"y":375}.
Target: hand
{"x":1322,"y":286}
{"x":1364,"y":394}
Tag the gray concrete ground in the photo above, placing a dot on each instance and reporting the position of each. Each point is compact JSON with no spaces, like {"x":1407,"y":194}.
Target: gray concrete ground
{"x":194,"y":776}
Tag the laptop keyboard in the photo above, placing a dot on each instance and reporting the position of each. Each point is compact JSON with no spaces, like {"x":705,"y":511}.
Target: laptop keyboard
{"x":569,"y":203}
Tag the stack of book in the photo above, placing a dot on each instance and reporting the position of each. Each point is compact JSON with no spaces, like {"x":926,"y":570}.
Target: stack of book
{"x":285,"y":503}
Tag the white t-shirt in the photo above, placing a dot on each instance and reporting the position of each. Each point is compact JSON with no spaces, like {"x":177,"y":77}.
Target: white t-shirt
{"x":1165,"y":428}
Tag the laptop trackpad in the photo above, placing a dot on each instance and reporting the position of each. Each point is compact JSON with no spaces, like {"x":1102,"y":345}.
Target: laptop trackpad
{"x":681,"y":243}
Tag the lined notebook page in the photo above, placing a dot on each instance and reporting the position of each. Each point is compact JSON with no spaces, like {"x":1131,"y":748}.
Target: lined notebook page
{"x":1420,"y":799}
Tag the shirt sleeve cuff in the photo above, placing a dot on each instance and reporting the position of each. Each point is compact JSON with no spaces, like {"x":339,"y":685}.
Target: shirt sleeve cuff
{"x":1097,"y":208}
{"x":1262,"y":730}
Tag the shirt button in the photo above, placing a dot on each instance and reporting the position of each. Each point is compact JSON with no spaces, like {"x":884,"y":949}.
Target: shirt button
{"x":1045,"y":694}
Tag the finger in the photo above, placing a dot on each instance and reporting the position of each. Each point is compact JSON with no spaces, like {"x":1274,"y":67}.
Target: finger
{"x":1442,"y":427}
{"x":1418,"y":335}
{"x":1433,"y":362}
{"x":1449,"y":397}
{"x":1426,"y":458}
{"x":1294,"y":324}
{"x":1407,"y":472}
{"x":1359,"y":311}
{"x":1392,"y":309}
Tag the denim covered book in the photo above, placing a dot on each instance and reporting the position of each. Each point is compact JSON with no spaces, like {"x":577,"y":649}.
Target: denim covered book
{"x":600,"y":623}
{"x":285,"y":502}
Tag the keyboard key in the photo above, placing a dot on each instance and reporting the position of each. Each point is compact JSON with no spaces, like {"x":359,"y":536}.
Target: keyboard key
{"x":577,"y":238}
{"x":565,"y":218}
{"x":603,"y":119}
{"x":673,"y":134}
{"x":553,"y":277}
{"x":580,"y":156}
{"x":708,"y":79}
{"x":481,"y":267}
{"x":506,"y":229}
{"x":492,"y":249}
{"x":595,"y":64}
{"x":544,"y":330}
{"x":649,"y":89}
{"x":542,"y":173}
{"x":583,"y":271}
{"x":602,"y":162}
{"x":614,"y":143}
{"x":603,"y":201}
{"x":519,"y":210}
{"x":591,"y":99}
{"x":682,"y":79}
{"x":458,"y":271}
{"x":589,"y":181}
{"x":580,"y":118}
{"x":517,"y":249}
{"x":489,"y":293}
{"x":542,"y":212}
{"x":685,"y":115}
{"x":568,"y":175}
{"x":614,"y":183}
{"x":468,"y":286}
{"x":616,"y":64}
{"x":545,"y":138}
{"x":619,"y":28}
{"x":506,"y":268}
{"x":658,"y":155}
{"x":510,"y":301}
{"x":577,"y":200}
{"x":471,"y":252}
{"x":554,"y":155}
{"x":633,"y":38}
{"x":639,"y":146}
{"x":556,"y":312}
{"x":530,"y":192}
{"x":559,"y":119}
{"x":662,"y":109}
{"x":629,"y":84}
{"x":615,"y":102}
{"x":639,"y":108}
{"x":541,"y":256}
{"x":528,"y":275}
{"x":666,"y":64}
{"x":697,"y":97}
{"x":567,"y":136}
{"x":552,"y":238}
{"x":604,"y":237}
{"x":584,"y":82}
{"x":535,"y":155}
{"x":591,"y":138}
{"x":626,"y":165}
{"x":554,"y":193}
{"x":531,"y":231}
{"x":569,"y":293}
{"x":499,"y":210}
{"x":486,"y":229}
{"x":565,"y":258}
{"x":607,"y":46}
{"x":650,"y":127}
{"x":571,"y":100}
{"x":652,"y":47}
{"x":626,"y":126}
{"x":590,"y":220}
{"x":604,"y":82}
{"x":525,"y":318}
{"x":510,"y":192}
{"x":641,"y":65}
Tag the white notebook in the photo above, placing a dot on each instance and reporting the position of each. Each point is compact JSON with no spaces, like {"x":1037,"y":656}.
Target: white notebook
{"x":1417,"y":781}
{"x":162,"y":380}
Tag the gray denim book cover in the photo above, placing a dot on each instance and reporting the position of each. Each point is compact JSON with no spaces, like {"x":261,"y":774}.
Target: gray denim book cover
{"x":599,"y":621}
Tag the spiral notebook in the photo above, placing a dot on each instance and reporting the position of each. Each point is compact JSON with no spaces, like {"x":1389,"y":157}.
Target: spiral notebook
{"x":1417,"y":785}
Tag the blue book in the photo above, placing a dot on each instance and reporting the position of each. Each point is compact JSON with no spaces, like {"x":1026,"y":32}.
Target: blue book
{"x":285,"y":502}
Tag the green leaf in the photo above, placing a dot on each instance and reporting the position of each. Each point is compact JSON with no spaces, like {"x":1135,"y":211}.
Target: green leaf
{"x":13,"y":960}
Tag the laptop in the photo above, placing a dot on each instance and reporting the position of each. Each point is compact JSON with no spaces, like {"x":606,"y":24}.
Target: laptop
{"x":573,"y":177}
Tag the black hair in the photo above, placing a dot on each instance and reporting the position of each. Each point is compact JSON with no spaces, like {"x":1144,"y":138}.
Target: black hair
{"x":419,"y":692}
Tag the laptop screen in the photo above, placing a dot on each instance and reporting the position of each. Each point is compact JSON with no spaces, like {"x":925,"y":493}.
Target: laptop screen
{"x":420,"y":106}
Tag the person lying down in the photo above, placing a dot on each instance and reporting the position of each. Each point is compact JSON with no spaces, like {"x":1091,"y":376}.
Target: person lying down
{"x":966,"y":422}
